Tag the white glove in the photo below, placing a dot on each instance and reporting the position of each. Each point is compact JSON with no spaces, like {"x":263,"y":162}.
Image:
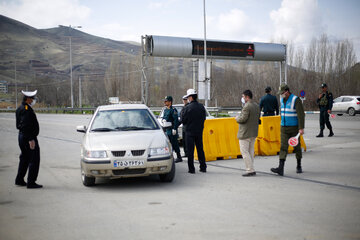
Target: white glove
{"x":173,"y":132}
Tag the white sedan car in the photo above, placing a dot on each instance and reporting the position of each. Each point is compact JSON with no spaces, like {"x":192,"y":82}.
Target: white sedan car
{"x":346,"y":104}
{"x":125,"y":140}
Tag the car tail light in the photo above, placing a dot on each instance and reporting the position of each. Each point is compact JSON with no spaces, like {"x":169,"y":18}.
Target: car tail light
{"x":358,"y":103}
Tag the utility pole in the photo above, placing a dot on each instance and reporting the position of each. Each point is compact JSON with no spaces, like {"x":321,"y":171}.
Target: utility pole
{"x":71,"y":78}
{"x":16,"y":92}
{"x":80,"y":103}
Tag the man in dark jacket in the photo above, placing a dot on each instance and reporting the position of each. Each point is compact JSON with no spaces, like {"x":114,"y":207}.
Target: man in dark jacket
{"x":269,"y":104}
{"x":28,"y":126}
{"x":194,"y":117}
{"x":325,"y":102}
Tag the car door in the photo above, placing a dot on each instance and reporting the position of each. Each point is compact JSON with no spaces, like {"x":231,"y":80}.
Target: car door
{"x":346,"y":103}
{"x":337,"y":104}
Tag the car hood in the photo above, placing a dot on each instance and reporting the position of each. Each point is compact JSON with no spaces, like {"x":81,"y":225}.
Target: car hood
{"x":122,"y":140}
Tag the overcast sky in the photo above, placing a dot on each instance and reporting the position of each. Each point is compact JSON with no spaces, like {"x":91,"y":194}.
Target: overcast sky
{"x":241,"y":20}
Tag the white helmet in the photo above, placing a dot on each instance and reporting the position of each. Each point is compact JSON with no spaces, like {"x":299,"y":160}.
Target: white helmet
{"x":29,"y":94}
{"x":190,"y":92}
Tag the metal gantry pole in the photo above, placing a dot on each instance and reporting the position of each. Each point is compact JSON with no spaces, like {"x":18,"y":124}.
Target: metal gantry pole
{"x":280,"y":72}
{"x":285,"y":68}
{"x":144,"y":85}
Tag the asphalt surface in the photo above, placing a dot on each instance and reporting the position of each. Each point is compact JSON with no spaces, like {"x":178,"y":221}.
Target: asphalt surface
{"x":321,"y":203}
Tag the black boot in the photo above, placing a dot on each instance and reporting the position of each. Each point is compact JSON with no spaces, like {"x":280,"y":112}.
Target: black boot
{"x":321,"y":134}
{"x":178,"y":158}
{"x":331,"y":133}
{"x":280,"y":169}
{"x":299,"y":168}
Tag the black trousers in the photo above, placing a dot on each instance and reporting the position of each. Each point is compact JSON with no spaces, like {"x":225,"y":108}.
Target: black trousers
{"x":174,"y":142}
{"x":29,"y":159}
{"x":191,"y":142}
{"x":324,"y":119}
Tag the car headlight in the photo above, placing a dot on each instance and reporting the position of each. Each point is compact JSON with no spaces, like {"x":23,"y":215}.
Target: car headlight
{"x":95,"y":154}
{"x":159,"y":151}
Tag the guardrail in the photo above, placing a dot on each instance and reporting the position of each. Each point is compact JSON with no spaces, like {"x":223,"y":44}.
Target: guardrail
{"x":215,"y":110}
{"x":56,"y":110}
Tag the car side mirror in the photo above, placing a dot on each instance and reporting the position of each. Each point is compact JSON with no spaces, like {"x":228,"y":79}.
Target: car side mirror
{"x":81,"y":129}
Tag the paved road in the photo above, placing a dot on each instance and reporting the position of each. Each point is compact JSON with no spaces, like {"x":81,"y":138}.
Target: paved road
{"x":321,"y":203}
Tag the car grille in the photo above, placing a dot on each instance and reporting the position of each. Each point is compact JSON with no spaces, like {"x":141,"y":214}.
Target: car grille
{"x":129,"y":171}
{"x":118,"y":153}
{"x":137,"y":152}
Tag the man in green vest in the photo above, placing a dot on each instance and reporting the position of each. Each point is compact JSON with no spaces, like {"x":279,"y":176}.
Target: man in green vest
{"x":171,"y":115}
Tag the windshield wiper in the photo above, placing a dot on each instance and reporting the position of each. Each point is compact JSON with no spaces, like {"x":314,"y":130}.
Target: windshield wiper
{"x":130,"y":128}
{"x":102,"y":130}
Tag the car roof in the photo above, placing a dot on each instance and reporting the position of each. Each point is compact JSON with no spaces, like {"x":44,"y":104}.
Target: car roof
{"x":350,"y":96}
{"x":122,"y":106}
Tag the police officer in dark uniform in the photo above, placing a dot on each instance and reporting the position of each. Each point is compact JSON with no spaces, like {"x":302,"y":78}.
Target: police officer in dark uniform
{"x":185,"y":101}
{"x":325,"y":102}
{"x":28,"y":126}
{"x":171,"y":115}
{"x":194,"y":117}
{"x":269,"y":104}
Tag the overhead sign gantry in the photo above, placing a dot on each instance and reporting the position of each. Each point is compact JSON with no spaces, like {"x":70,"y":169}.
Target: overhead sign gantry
{"x":164,"y":46}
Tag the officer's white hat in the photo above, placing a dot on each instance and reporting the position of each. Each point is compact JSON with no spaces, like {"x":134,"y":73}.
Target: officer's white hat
{"x":190,"y":92}
{"x":29,"y":94}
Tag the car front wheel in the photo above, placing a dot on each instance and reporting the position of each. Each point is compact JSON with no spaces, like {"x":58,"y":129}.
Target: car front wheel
{"x":168,"y":177}
{"x":351,"y":111}
{"x":87,"y":181}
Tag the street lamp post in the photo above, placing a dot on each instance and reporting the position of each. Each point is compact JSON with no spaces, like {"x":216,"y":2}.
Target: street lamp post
{"x":71,"y":78}
{"x":206,"y":82}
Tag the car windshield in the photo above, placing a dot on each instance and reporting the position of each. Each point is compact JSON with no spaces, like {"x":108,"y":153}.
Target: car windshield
{"x":123,"y":120}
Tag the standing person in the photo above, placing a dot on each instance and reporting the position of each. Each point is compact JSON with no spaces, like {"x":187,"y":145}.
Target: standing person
{"x":325,"y":102}
{"x":185,"y":101}
{"x":248,"y":121}
{"x":194,"y":117}
{"x":28,"y":126}
{"x":269,"y":104}
{"x":171,"y":115}
{"x":292,"y":123}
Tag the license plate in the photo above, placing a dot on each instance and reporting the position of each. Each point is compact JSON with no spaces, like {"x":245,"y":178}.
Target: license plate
{"x":129,"y":163}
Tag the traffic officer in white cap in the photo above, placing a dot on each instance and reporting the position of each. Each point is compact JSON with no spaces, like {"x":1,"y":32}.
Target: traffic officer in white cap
{"x":193,"y":117}
{"x":28,"y":126}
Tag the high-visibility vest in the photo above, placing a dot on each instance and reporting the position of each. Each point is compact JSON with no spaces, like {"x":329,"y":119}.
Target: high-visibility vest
{"x":288,"y":112}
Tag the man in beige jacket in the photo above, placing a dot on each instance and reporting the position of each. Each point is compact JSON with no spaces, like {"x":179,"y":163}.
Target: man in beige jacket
{"x":248,"y":130}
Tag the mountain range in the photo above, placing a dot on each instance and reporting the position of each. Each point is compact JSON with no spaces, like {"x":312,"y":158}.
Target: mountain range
{"x":47,"y":51}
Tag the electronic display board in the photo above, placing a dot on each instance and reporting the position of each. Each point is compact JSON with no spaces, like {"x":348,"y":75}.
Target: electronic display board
{"x":223,"y":49}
